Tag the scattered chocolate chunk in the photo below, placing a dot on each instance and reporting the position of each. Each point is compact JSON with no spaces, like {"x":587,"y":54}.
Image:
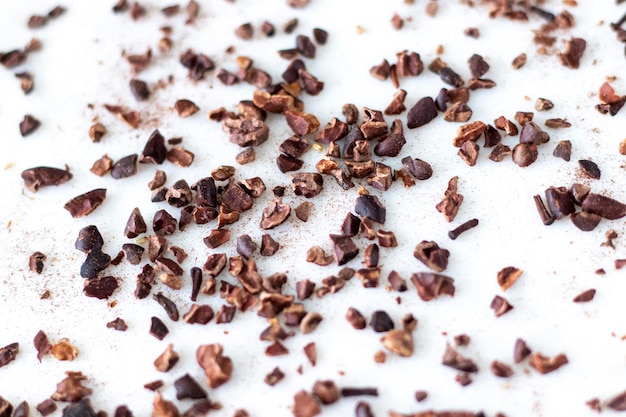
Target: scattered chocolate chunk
{"x":421,"y":170}
{"x":585,"y":221}
{"x":307,"y":184}
{"x":501,"y":369}
{"x":618,"y":402}
{"x":477,"y":65}
{"x":455,"y":360}
{"x":95,"y":262}
{"x":28,"y":125}
{"x":604,"y":207}
{"x":180,"y":156}
{"x":154,"y":151}
{"x":557,"y":123}
{"x":524,"y":154}
{"x":305,"y":404}
{"x":573,"y":53}
{"x":559,"y":202}
{"x":8,"y":353}
{"x":396,"y":282}
{"x":563,"y":150}
{"x":462,"y":340}
{"x":619,"y":263}
{"x":118,"y":324}
{"x":246,"y":156}
{"x":225,"y":314}
{"x":355,"y":318}
{"x":274,"y":377}
{"x":158,"y":328}
{"x":163,"y":223}
{"x":310,"y":322}
{"x":357,"y":392}
{"x":84,"y":204}
{"x":187,"y":387}
{"x":464,"y":379}
{"x":320,"y":36}
{"x":520,"y":351}
{"x":362,"y":408}
{"x":186,"y":108}
{"x":589,"y":168}
{"x":543,"y":104}
{"x":276,"y":349}
{"x":421,"y":113}
{"x":301,"y":123}
{"x":102,"y":166}
{"x":36,"y":262}
{"x":507,"y":277}
{"x":166,"y":360}
{"x":532,"y":134}
{"x":544,"y":364}
{"x":585,"y":296}
{"x":430,"y":285}
{"x":431,"y":255}
{"x":42,"y":344}
{"x":579,"y":192}
{"x":135,"y":225}
{"x":71,"y":390}
{"x":42,"y":176}
{"x":326,"y":391}
{"x":125,"y":167}
{"x":168,"y":305}
{"x":381,"y":322}
{"x":22,"y":410}
{"x":398,"y":341}
{"x":89,"y":238}
{"x":310,"y":352}
{"x":47,"y":407}
{"x":370,"y":206}
{"x":451,"y":202}
{"x":100,"y":287}
{"x":344,"y":249}
{"x":139,"y":89}
{"x":500,"y":306}
{"x":217,"y":367}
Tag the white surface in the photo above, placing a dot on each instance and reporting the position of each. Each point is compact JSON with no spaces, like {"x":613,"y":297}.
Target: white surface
{"x":81,"y":63}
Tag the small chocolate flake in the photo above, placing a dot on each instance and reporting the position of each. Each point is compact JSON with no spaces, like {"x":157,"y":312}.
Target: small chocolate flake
{"x":603,"y":206}
{"x":557,"y":123}
{"x":47,"y":406}
{"x":274,"y":377}
{"x":28,"y":125}
{"x":362,"y":408}
{"x":117,"y":324}
{"x":618,"y":402}
{"x":310,"y":352}
{"x":462,"y":340}
{"x":97,"y":132}
{"x":158,"y":328}
{"x":381,"y":322}
{"x":168,"y":305}
{"x":187,"y":387}
{"x":544,"y":364}
{"x":344,"y":248}
{"x":501,"y":369}
{"x":276,"y":349}
{"x":421,"y":113}
{"x":507,"y":277}
{"x":431,"y":285}
{"x":166,"y":360}
{"x":585,"y":296}
{"x":125,"y":167}
{"x":95,"y":262}
{"x":135,"y":225}
{"x":520,"y":351}
{"x":398,"y":341}
{"x":355,"y":318}
{"x":36,"y":262}
{"x":500,"y":306}
{"x":139,"y":89}
{"x":42,"y":344}
{"x":573,"y":53}
{"x":307,"y":184}
{"x":589,"y":168}
{"x":180,"y":156}
{"x":310,"y":322}
{"x":585,"y":221}
{"x":305,"y":46}
{"x":185,"y":108}
{"x":455,"y":360}
{"x":305,"y":404}
{"x":100,"y":287}
{"x":431,"y":255}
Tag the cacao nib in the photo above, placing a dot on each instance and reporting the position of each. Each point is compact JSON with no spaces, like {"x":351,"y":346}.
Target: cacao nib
{"x":431,"y":285}
{"x":455,"y":360}
{"x":421,"y":113}
{"x":431,"y":255}
{"x":28,"y":125}
{"x":604,"y":207}
{"x":158,"y":328}
{"x":35,"y":178}
{"x":95,"y":262}
{"x":154,"y":151}
{"x":84,"y":204}
{"x":544,"y":365}
{"x":101,"y":288}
